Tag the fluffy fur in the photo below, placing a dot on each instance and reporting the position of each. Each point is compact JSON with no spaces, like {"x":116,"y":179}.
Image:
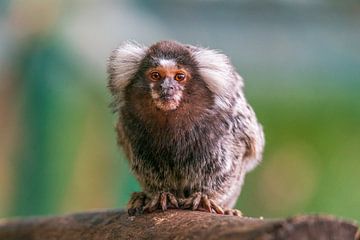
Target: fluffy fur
{"x":203,"y":145}
{"x":122,"y":65}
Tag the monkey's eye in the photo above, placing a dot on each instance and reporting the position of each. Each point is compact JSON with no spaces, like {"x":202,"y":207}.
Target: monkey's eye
{"x":155,"y":76}
{"x":180,"y":77}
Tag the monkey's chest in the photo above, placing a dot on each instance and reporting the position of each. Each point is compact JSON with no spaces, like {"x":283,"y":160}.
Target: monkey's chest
{"x":178,"y":155}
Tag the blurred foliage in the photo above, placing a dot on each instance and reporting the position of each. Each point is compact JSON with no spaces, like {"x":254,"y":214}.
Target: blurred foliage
{"x":58,"y":150}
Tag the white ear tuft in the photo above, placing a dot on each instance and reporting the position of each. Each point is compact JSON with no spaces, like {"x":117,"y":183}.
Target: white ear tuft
{"x":218,"y":73}
{"x":123,"y":63}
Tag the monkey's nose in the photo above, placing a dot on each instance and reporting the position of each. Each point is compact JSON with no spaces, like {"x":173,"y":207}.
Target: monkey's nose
{"x":168,"y":85}
{"x":167,"y":94}
{"x":169,"y":90}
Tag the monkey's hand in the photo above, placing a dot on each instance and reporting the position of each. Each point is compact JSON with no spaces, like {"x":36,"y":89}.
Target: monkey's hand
{"x":200,"y":201}
{"x":141,"y":202}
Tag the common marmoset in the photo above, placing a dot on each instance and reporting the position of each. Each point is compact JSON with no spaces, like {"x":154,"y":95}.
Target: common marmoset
{"x":184,"y":123}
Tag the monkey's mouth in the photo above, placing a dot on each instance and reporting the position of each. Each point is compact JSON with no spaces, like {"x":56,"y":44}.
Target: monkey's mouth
{"x":167,"y":97}
{"x":167,"y":102}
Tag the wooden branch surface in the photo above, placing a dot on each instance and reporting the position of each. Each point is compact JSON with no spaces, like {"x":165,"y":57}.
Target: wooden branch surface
{"x":175,"y":224}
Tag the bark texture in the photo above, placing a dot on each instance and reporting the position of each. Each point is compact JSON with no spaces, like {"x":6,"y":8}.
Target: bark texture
{"x":175,"y":224}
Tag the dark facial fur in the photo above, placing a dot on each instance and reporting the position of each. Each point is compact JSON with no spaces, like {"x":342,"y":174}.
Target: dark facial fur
{"x":184,"y":136}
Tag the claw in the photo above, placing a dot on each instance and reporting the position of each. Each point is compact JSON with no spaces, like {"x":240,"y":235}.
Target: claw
{"x":237,"y":213}
{"x":216,"y":207}
{"x":196,"y":201}
{"x":163,"y":201}
{"x":206,"y":203}
{"x":173,"y":200}
{"x":201,"y":202}
{"x":153,"y":204}
{"x":188,"y":202}
{"x":233,"y":212}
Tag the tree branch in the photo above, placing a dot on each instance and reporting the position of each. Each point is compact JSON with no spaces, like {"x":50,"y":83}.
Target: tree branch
{"x":175,"y":224}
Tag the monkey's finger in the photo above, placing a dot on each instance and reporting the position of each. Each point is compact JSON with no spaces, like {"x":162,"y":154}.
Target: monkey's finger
{"x":216,"y":207}
{"x":136,"y":203}
{"x":233,"y":212}
{"x":163,"y":201}
{"x":154,"y":202}
{"x":196,"y":201}
{"x":237,"y":212}
{"x":152,"y":205}
{"x":173,"y":200}
{"x":206,"y":203}
{"x":188,"y":202}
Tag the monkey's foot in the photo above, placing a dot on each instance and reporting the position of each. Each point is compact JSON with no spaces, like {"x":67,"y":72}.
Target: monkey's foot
{"x":201,"y":202}
{"x":161,"y":200}
{"x":141,"y":202}
{"x":136,"y":203}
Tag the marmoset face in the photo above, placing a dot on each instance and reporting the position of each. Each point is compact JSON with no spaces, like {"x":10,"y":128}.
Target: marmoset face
{"x":168,"y":74}
{"x":167,"y":82}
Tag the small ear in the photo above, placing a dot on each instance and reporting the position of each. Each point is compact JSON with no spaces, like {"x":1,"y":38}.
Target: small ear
{"x":216,"y":70}
{"x":123,"y":63}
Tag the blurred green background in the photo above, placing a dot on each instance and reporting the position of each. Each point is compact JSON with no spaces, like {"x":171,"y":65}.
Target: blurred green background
{"x":300,"y":60}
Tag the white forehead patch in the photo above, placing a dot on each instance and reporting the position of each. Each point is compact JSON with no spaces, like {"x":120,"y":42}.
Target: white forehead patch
{"x":167,"y":63}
